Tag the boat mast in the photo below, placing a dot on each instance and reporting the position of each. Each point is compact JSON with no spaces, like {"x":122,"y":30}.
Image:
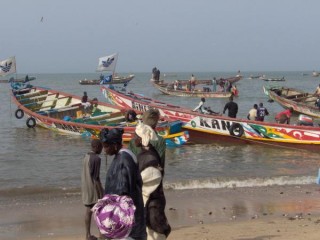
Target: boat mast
{"x":15,"y":62}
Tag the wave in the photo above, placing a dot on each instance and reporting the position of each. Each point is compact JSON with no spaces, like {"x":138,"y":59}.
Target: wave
{"x":216,"y":183}
{"x":38,"y":190}
{"x":208,"y":183}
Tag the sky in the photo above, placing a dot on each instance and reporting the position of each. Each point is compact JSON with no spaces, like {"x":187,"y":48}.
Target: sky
{"x":173,"y":35}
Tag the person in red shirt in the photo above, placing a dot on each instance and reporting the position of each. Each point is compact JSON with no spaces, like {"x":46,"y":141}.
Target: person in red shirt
{"x":284,"y":116}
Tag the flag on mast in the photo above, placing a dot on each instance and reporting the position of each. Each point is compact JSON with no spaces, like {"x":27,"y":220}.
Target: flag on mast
{"x":107,"y":63}
{"x":8,"y":66}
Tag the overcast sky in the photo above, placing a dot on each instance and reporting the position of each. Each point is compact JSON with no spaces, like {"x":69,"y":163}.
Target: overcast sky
{"x":173,"y":35}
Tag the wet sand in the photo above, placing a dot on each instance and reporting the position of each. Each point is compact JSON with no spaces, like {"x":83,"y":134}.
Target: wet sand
{"x":277,"y":212}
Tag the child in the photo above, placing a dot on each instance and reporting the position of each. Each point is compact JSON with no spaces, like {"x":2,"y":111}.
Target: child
{"x":91,"y":187}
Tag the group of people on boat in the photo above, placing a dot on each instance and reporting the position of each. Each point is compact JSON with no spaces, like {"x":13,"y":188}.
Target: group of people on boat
{"x":231,"y":107}
{"x":177,"y":85}
{"x":221,"y":85}
{"x":90,"y":106}
{"x":257,"y":113}
{"x":201,"y":108}
{"x":224,"y":85}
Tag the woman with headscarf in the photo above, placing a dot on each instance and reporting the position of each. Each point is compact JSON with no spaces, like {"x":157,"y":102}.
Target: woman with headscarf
{"x":152,"y":174}
{"x":151,"y":118}
{"x":123,"y":177}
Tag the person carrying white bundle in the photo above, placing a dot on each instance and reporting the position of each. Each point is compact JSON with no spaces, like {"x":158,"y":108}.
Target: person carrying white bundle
{"x":152,"y":174}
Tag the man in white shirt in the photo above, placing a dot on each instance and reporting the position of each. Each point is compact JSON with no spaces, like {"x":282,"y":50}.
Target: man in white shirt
{"x":200,"y":108}
{"x":252,"y":115}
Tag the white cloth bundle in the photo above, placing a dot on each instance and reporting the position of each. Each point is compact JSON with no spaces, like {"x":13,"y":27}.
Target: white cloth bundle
{"x":146,"y":133}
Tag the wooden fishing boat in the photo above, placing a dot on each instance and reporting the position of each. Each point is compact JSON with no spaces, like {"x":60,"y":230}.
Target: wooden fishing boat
{"x":16,"y":80}
{"x":197,"y":93}
{"x":115,"y":80}
{"x":65,"y":113}
{"x":8,"y":67}
{"x":204,"y":128}
{"x":201,"y":89}
{"x":273,"y":79}
{"x":231,"y":80}
{"x":107,"y":64}
{"x":184,"y":82}
{"x":301,"y":102}
{"x":254,"y":77}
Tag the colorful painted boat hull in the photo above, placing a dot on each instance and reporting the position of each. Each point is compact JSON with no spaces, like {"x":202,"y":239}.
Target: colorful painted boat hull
{"x":63,"y":112}
{"x":300,"y":101}
{"x":209,"y":128}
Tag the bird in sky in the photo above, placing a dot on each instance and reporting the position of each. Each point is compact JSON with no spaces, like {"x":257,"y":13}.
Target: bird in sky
{"x":41,"y":19}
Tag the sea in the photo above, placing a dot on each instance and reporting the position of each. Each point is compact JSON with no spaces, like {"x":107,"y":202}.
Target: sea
{"x":38,"y":160}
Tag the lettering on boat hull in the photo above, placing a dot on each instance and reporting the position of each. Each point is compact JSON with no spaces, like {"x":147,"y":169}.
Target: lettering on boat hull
{"x":215,"y":125}
{"x":253,"y":131}
{"x":139,"y":106}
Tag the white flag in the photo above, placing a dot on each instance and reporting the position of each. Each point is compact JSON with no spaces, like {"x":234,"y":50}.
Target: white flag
{"x":8,"y":66}
{"x":107,"y":63}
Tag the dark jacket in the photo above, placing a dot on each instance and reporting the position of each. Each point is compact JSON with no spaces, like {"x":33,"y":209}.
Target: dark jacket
{"x":123,"y":178}
{"x":232,"y":109}
{"x":155,"y":206}
{"x":159,"y":145}
{"x":261,"y":113}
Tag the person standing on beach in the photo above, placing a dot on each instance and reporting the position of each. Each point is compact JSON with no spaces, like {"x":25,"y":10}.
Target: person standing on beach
{"x":232,"y":108}
{"x":91,"y":188}
{"x":123,"y":178}
{"x":261,"y":112}
{"x":151,"y":118}
{"x":152,"y":174}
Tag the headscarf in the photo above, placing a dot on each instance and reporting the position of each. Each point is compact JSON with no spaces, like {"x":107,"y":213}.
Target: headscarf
{"x":114,"y":215}
{"x":146,"y":133}
{"x":111,"y":136}
{"x":151,"y":117}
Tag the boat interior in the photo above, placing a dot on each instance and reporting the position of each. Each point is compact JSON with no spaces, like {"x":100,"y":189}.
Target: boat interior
{"x":68,"y":108}
{"x":59,"y":106}
{"x":294,"y":95}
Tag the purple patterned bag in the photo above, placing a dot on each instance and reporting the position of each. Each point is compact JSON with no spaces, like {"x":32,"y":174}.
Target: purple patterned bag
{"x":114,"y":215}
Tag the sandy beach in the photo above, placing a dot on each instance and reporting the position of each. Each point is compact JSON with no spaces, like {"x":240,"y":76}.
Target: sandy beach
{"x":277,"y":212}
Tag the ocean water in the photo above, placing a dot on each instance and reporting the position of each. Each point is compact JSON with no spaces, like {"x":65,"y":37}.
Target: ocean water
{"x":34,"y":160}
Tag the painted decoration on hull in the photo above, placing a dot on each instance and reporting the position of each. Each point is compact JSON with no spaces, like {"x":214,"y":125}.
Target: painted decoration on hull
{"x":252,"y":130}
